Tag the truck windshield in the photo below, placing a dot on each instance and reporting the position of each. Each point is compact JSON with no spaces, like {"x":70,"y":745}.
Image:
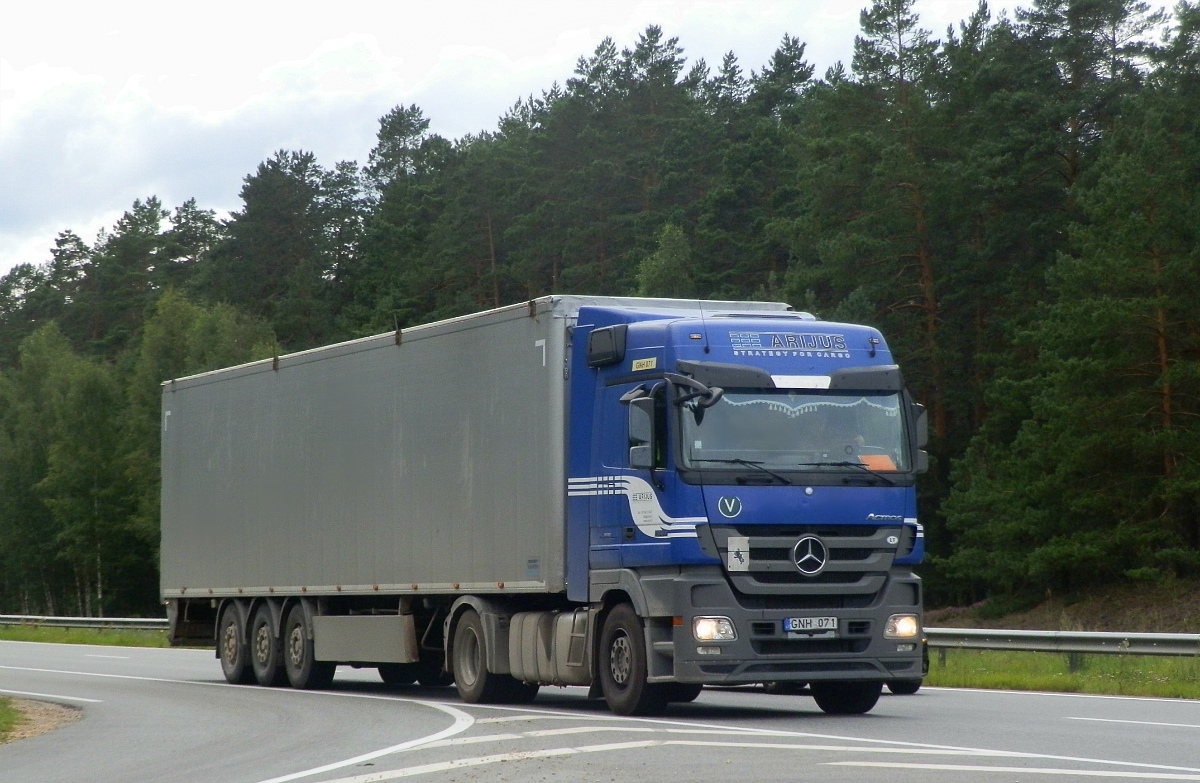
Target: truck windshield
{"x":796,"y":431}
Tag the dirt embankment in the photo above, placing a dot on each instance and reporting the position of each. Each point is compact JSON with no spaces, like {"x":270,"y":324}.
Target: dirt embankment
{"x":1171,"y":607}
{"x":39,"y":717}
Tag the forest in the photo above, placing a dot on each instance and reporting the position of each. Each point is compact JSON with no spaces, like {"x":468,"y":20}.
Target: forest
{"x":1015,"y":204}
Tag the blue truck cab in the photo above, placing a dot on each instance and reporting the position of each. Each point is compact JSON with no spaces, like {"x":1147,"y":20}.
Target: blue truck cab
{"x":743,"y":482}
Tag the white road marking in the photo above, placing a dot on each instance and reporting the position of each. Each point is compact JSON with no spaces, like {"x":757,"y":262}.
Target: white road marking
{"x":51,"y":696}
{"x":535,"y":713}
{"x":513,"y":756}
{"x":618,"y":746}
{"x":442,"y":766}
{"x":586,"y":730}
{"x":93,"y":655}
{"x":462,"y":720}
{"x":835,"y":748}
{"x":710,"y":744}
{"x":446,"y":743}
{"x":1017,"y":770}
{"x":1140,"y":722}
{"x":530,"y":713}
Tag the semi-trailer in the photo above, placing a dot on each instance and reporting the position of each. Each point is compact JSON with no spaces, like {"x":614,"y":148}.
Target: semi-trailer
{"x":639,"y":496}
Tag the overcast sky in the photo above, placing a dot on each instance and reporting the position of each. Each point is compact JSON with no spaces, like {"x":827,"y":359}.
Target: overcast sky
{"x":103,"y":102}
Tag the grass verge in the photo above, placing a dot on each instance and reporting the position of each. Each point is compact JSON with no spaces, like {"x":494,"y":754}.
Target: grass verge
{"x":9,"y":718}
{"x":1116,"y":675}
{"x":118,"y":637}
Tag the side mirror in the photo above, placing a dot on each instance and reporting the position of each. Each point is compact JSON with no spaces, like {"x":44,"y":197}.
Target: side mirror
{"x":641,"y":433}
{"x":641,"y":457}
{"x":922,"y":423}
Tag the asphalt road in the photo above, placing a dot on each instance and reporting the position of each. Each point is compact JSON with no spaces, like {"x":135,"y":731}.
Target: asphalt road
{"x":167,"y":715}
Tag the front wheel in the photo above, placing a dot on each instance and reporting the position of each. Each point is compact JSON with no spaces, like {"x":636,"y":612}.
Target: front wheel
{"x":846,"y":698}
{"x":623,"y":666}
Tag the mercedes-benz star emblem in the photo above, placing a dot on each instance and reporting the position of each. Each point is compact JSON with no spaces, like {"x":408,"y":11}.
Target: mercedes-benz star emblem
{"x":810,"y":555}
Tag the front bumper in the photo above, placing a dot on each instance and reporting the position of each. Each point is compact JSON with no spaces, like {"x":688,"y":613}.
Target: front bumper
{"x":764,"y":652}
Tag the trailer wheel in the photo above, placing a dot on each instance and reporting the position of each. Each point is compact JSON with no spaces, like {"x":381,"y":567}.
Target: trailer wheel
{"x":266,"y":658}
{"x":231,"y":647}
{"x":623,"y":666}
{"x":846,"y":698}
{"x":303,"y":671}
{"x":904,"y":687}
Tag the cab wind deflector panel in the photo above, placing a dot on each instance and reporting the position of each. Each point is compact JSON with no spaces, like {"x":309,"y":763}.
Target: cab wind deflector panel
{"x":733,"y":376}
{"x":885,"y":377}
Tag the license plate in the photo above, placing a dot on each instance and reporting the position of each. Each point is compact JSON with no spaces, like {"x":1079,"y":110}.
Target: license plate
{"x":809,"y":624}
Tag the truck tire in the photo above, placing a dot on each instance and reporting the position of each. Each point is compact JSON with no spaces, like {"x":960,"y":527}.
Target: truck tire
{"x":904,"y":687}
{"x":623,"y":666}
{"x":474,"y":682}
{"x":398,"y":673}
{"x":302,"y":670}
{"x":232,"y":648}
{"x":266,"y":657}
{"x":846,"y":698}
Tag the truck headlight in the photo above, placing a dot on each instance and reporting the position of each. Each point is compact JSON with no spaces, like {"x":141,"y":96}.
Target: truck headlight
{"x":713,"y":629}
{"x":902,"y":626}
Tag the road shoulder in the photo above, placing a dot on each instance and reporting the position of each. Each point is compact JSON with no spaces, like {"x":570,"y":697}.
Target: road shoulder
{"x":39,"y":717}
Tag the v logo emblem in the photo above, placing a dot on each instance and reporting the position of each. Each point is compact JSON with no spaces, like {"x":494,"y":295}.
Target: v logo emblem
{"x":729,"y":506}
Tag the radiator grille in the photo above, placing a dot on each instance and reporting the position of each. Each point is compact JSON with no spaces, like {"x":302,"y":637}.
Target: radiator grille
{"x":859,"y":557}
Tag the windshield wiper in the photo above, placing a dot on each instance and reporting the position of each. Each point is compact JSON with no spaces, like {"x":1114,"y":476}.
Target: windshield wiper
{"x":751,"y":463}
{"x":861,"y":466}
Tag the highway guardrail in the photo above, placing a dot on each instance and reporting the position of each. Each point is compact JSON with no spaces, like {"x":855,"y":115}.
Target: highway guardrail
{"x":126,"y":623}
{"x":1070,"y":642}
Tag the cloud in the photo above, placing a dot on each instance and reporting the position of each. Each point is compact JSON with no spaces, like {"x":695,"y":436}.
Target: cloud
{"x":102,"y":103}
{"x":71,"y":155}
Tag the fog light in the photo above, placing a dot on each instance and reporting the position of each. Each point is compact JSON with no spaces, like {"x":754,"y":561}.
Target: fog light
{"x":713,"y":629}
{"x":708,"y":650}
{"x":905,"y":647}
{"x":902,"y":626}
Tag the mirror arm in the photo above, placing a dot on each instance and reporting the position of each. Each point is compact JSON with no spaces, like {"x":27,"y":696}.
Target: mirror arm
{"x":636,"y":393}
